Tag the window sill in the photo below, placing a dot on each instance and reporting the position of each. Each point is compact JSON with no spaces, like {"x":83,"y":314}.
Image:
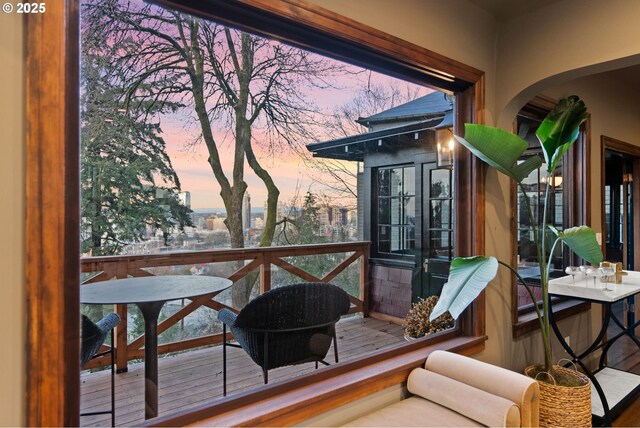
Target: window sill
{"x":528,"y":323}
{"x":291,"y":402}
{"x":399,"y":263}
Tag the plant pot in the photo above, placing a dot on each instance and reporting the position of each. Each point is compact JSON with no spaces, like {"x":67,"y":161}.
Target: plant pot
{"x":564,"y":406}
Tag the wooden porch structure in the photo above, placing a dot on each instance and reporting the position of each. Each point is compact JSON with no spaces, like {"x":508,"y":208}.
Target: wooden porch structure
{"x":194,"y":377}
{"x":248,"y":260}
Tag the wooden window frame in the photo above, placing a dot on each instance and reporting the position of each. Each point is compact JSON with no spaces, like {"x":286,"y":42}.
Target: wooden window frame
{"x":524,"y":323}
{"x":52,"y":202}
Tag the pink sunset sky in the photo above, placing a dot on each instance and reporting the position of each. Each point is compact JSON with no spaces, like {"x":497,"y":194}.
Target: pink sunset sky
{"x":287,"y":169}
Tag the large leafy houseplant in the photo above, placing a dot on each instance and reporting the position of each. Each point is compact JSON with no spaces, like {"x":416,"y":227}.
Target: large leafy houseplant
{"x":502,"y":150}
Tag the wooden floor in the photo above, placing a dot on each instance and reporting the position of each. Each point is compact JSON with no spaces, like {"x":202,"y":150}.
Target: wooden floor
{"x":194,"y":377}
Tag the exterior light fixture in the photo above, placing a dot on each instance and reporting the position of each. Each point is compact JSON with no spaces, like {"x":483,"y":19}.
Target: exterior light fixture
{"x":444,"y":147}
{"x":555,"y":180}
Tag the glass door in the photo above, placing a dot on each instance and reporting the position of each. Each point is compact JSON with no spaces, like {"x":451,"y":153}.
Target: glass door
{"x":437,"y":214}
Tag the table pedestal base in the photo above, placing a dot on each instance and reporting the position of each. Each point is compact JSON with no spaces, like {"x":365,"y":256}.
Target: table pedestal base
{"x":150,"y":312}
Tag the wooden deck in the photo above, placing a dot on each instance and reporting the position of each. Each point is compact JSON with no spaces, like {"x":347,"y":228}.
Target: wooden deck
{"x":194,"y":377}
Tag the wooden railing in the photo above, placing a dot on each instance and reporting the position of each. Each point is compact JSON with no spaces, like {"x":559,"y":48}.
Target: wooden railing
{"x":110,"y":267}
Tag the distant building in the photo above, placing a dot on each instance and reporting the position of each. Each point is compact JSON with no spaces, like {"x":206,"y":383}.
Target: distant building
{"x":185,"y":199}
{"x":201,"y":222}
{"x":216,"y":223}
{"x":246,"y":211}
{"x":324,"y":216}
{"x":281,"y":211}
{"x":333,"y":216}
{"x":257,"y":223}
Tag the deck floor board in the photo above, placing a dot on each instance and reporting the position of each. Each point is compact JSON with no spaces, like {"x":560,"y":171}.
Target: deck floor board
{"x":194,"y":377}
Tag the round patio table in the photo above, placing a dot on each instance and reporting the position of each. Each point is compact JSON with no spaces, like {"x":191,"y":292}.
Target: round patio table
{"x":150,"y":293}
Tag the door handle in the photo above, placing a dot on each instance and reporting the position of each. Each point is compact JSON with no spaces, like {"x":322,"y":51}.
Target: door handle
{"x":425,"y":265}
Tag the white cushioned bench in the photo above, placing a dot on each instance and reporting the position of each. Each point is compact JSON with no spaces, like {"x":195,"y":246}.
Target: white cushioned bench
{"x":453,"y":390}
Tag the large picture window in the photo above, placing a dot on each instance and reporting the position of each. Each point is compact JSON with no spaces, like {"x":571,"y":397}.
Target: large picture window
{"x":396,"y":211}
{"x":330,"y":35}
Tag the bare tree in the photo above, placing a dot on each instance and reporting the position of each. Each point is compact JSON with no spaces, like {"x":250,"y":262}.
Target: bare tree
{"x":368,"y":100}
{"x":339,"y":178}
{"x":229,"y":80}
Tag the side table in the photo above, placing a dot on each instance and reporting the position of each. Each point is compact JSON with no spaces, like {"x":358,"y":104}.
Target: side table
{"x":612,"y":389}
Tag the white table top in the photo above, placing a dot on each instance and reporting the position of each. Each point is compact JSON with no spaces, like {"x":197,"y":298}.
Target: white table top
{"x":584,"y":288}
{"x":151,"y":289}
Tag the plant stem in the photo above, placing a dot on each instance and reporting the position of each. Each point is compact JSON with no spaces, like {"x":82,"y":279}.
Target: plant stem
{"x":544,"y":279}
{"x":553,"y":250}
{"x":539,"y":241}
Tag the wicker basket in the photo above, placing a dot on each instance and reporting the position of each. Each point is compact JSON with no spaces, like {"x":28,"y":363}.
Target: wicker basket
{"x":563,"y":406}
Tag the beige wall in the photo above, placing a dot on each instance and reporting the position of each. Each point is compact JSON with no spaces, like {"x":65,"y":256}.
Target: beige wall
{"x":560,"y":42}
{"x":12,"y":331}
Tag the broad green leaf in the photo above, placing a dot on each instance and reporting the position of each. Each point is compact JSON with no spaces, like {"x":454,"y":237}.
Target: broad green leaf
{"x":500,"y":149}
{"x":560,"y":129}
{"x":467,"y":278}
{"x":582,"y":241}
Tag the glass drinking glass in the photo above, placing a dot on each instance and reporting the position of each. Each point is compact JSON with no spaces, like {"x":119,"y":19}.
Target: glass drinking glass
{"x":607,"y":273}
{"x":597,"y":273}
{"x":588,"y":271}
{"x":573,"y":271}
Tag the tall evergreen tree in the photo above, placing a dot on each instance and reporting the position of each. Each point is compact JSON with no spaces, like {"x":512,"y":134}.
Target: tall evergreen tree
{"x":128,"y":183}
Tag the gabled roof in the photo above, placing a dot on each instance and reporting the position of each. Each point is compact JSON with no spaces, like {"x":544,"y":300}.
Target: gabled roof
{"x":434,"y":103}
{"x":354,"y":147}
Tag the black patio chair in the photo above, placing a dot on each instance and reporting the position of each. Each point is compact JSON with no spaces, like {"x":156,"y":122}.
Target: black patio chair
{"x":93,"y":336}
{"x":289,"y":325}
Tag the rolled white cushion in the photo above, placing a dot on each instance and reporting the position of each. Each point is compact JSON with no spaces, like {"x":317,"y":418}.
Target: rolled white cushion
{"x":481,"y":406}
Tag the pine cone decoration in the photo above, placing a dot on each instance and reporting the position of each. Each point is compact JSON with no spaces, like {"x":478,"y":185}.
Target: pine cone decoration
{"x":417,"y":322}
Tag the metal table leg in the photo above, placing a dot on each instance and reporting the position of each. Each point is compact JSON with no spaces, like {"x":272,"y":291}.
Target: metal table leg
{"x":578,"y":358}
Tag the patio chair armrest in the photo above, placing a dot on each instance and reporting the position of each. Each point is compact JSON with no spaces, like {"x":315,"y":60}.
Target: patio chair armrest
{"x":227,"y":316}
{"x":109,"y":322}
